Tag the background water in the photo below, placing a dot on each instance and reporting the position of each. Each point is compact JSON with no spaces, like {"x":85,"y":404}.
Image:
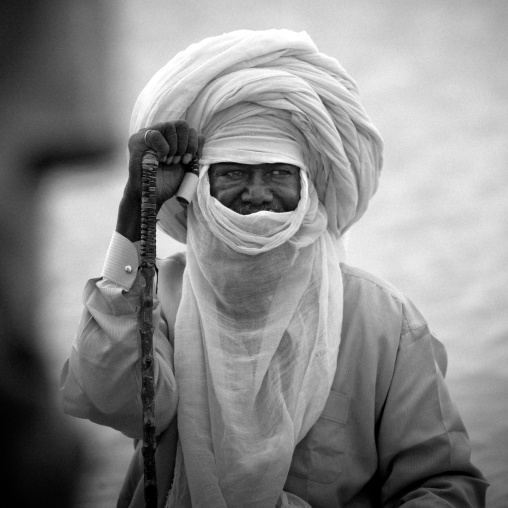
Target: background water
{"x":434,"y":78}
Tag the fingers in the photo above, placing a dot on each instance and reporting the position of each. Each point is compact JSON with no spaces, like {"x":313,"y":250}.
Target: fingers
{"x":191,"y":147}
{"x":169,"y":132}
{"x":154,"y":139}
{"x":182,"y":132}
{"x":176,"y":143}
{"x":181,"y":142}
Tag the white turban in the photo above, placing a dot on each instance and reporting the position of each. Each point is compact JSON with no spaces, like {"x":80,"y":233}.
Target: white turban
{"x":257,"y":332}
{"x":284,"y":74}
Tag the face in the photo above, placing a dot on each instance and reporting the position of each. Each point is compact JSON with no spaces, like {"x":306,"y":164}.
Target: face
{"x":250,"y":188}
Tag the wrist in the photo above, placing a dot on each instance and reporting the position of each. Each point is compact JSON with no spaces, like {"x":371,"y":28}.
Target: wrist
{"x":129,"y":218}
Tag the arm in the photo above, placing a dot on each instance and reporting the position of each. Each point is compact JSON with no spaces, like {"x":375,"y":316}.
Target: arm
{"x":101,"y":380}
{"x":424,"y":451}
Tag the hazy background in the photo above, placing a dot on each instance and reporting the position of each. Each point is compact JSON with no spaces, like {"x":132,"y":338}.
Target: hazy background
{"x":434,"y":78}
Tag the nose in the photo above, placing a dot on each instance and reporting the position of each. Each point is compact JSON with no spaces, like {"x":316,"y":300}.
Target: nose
{"x":257,"y":190}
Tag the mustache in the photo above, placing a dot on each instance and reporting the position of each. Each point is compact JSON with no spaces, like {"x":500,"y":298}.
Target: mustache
{"x":249,"y":208}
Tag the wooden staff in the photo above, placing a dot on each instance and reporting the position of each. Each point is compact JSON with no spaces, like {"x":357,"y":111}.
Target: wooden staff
{"x":149,"y":166}
{"x":148,"y":222}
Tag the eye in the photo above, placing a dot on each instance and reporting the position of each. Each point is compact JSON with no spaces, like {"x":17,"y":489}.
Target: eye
{"x":283,"y":171}
{"x":234,"y":174}
{"x":231,"y":173}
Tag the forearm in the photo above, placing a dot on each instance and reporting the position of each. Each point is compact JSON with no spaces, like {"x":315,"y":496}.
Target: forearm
{"x":101,"y":381}
{"x":424,"y":450}
{"x":446,"y":490}
{"x":129,"y":218}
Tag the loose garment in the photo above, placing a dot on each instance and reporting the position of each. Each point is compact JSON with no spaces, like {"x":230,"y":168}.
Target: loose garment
{"x":388,"y":434}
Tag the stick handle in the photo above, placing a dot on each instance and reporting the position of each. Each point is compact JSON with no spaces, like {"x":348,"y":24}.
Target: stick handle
{"x":148,"y":250}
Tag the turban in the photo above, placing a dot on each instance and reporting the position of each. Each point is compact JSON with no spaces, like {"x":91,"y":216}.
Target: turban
{"x":284,"y":74}
{"x":257,"y":331}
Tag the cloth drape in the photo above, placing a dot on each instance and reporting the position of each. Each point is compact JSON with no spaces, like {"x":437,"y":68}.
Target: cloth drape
{"x":256,"y":367}
{"x":257,"y":332}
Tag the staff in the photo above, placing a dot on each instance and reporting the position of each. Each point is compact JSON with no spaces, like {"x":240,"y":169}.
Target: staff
{"x":148,"y":224}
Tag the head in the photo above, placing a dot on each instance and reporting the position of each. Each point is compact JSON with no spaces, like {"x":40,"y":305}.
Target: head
{"x":251,"y":188}
{"x":266,"y":97}
{"x":254,"y":162}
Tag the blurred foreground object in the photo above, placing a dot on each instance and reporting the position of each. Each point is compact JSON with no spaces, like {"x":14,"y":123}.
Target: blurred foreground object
{"x":52,"y":103}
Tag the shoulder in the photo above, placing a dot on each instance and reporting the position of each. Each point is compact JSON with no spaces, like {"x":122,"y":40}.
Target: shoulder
{"x":383,"y":316}
{"x":358,"y":280}
{"x":378,"y":301}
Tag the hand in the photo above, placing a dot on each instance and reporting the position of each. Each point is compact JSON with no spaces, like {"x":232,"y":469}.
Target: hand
{"x":175,"y":144}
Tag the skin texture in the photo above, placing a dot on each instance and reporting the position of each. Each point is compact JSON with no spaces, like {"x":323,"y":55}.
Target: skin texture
{"x":250,"y":188}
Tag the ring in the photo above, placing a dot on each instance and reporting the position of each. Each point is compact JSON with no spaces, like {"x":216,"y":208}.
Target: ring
{"x":146,"y":133}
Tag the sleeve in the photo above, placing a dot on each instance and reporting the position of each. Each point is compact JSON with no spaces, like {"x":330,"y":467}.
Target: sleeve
{"x":424,"y":450}
{"x":101,"y":380}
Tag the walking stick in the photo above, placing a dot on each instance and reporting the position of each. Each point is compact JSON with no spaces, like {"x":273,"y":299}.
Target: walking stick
{"x":148,"y":222}
{"x":149,"y":166}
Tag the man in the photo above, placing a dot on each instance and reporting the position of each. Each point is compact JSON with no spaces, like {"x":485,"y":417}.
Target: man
{"x":283,"y":377}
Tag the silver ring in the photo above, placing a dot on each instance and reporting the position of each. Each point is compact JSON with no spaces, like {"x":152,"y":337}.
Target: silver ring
{"x":146,"y":133}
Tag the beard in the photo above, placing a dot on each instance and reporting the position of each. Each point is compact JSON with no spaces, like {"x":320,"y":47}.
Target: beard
{"x":248,"y":208}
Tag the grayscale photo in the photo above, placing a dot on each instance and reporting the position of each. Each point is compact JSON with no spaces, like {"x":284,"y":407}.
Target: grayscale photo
{"x":254,"y":254}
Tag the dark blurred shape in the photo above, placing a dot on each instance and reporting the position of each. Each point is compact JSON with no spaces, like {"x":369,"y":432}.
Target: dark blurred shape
{"x":53,"y":99}
{"x":43,"y":457}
